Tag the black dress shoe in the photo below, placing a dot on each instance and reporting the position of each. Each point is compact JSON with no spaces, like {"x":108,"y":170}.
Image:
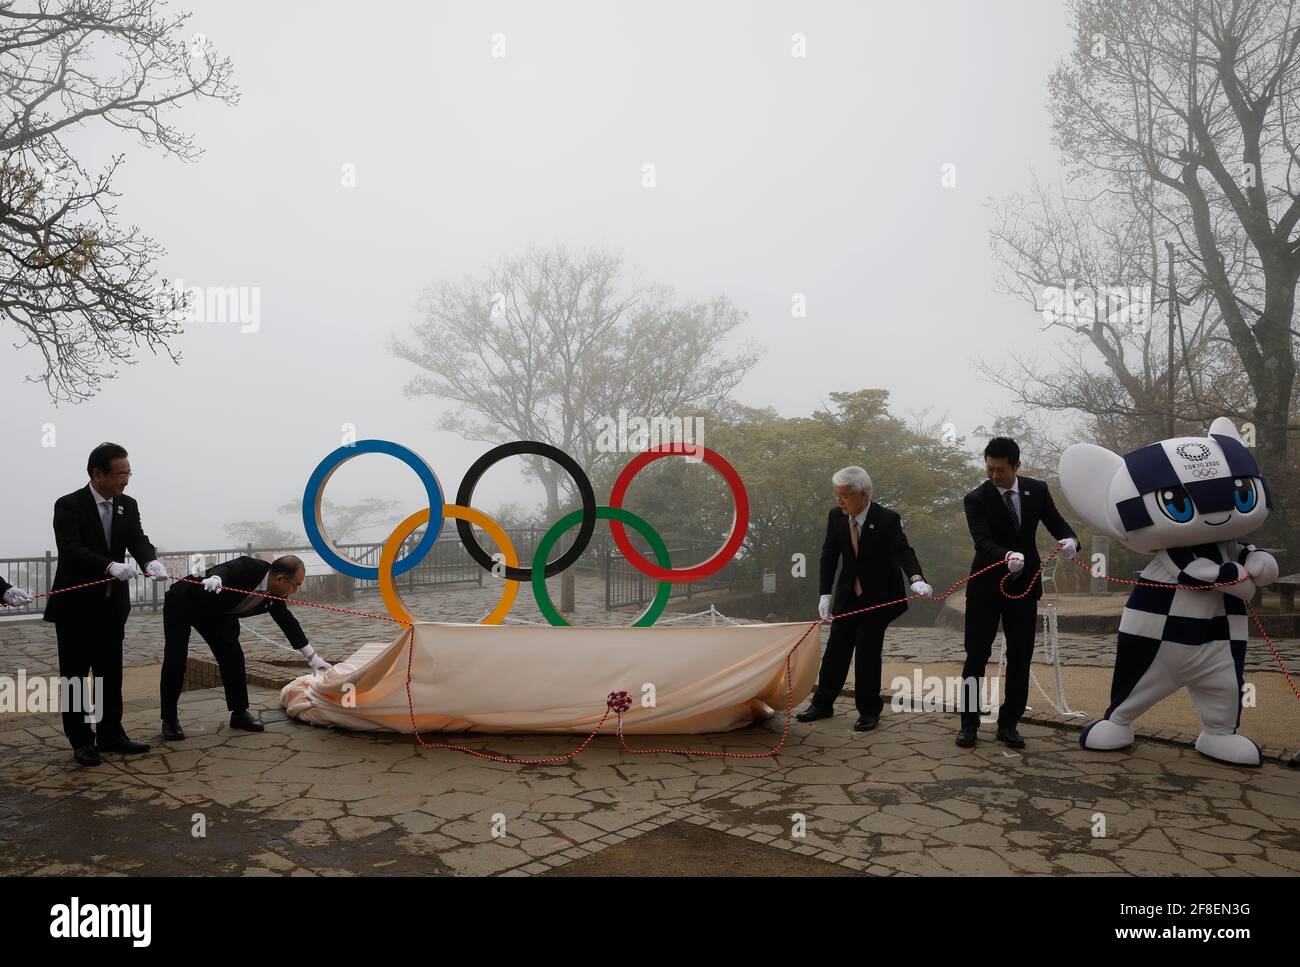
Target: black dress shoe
{"x":86,"y":755}
{"x":123,"y":745}
{"x":242,"y":720}
{"x":172,"y":731}
{"x":866,"y":723}
{"x":814,"y":712}
{"x":1011,"y":737}
{"x":966,"y":737}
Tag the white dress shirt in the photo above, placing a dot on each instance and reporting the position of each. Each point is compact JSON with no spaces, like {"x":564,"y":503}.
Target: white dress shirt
{"x":861,"y":518}
{"x":100,"y":501}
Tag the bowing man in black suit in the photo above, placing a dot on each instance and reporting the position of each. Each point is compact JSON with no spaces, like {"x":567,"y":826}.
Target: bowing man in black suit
{"x":1003,"y":514}
{"x":867,"y":541}
{"x":94,"y":527}
{"x":215,"y":616}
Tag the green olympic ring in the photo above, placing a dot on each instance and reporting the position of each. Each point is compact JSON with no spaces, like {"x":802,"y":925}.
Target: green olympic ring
{"x":657,"y":545}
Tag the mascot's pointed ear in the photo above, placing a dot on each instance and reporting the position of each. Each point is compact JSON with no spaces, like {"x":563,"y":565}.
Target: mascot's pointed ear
{"x":1086,"y":471}
{"x":1224,"y":427}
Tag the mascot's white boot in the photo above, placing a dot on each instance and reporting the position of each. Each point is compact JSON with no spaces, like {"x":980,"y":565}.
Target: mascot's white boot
{"x":1236,"y":749}
{"x":1187,"y":501}
{"x":1105,"y":734}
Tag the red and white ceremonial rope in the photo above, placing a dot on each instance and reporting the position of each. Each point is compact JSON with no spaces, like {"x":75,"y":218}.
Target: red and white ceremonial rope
{"x":619,"y":702}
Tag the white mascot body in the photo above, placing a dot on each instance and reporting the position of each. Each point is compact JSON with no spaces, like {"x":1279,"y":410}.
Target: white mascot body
{"x":1189,"y":501}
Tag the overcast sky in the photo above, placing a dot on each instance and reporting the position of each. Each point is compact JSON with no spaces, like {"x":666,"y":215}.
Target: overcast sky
{"x":776,"y":175}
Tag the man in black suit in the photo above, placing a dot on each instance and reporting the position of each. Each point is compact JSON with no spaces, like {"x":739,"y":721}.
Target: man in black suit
{"x":867,"y":541}
{"x":216,"y":617}
{"x":1003,"y":515}
{"x":94,"y":527}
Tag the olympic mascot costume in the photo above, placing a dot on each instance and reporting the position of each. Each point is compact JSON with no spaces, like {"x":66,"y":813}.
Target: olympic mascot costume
{"x":1189,"y":501}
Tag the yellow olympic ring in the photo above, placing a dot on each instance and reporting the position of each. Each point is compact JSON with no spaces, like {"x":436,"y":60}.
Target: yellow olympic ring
{"x":388,"y":555}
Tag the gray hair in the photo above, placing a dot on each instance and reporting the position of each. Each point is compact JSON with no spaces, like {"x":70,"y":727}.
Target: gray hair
{"x":854,"y":477}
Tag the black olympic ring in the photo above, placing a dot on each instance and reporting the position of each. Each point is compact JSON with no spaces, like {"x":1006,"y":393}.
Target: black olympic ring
{"x":464,"y":497}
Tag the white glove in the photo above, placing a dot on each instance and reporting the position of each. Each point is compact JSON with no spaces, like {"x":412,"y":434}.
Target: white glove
{"x":923,"y":589}
{"x":1262,"y":566}
{"x":1069,"y":548}
{"x":212,"y":584}
{"x":156,"y":570}
{"x":320,"y":664}
{"x":17,"y":597}
{"x":123,"y":572}
{"x":824,"y":606}
{"x":1015,"y":561}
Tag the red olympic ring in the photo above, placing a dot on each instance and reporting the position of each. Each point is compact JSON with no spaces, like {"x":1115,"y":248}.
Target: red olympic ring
{"x":739,"y":523}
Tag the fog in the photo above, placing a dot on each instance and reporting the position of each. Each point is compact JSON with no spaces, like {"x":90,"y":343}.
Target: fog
{"x":776,"y":175}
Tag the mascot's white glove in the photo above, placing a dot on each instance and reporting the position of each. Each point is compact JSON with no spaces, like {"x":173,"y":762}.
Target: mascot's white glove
{"x":1015,"y":561}
{"x":1262,"y":566}
{"x":1069,"y":548}
{"x":1231,"y":572}
{"x":123,"y":572}
{"x":212,"y":584}
{"x":923,"y":589}
{"x":156,"y":570}
{"x":17,"y":597}
{"x":824,"y":606}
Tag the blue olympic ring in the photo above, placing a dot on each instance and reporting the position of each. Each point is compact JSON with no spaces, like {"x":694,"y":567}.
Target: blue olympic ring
{"x":311,"y":508}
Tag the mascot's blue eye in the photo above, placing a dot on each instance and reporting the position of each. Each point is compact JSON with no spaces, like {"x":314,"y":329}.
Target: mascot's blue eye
{"x":1243,"y":496}
{"x":1175,"y":504}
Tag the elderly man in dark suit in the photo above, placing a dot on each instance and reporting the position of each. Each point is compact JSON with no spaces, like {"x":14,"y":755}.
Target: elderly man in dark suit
{"x":866,"y":541}
{"x":216,"y":616}
{"x":1003,"y":514}
{"x":94,"y":527}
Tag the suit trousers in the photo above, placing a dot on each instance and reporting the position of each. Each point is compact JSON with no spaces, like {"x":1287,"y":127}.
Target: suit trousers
{"x":860,"y":637}
{"x":222,"y":636}
{"x":1019,"y":619}
{"x":91,"y":640}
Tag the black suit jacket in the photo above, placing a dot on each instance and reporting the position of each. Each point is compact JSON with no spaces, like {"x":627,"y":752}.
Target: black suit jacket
{"x":84,"y":556}
{"x":994,"y":534}
{"x":240,"y":573}
{"x":883,"y":558}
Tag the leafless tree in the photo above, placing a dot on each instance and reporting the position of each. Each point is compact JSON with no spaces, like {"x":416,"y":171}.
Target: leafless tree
{"x":546,"y":344}
{"x":1174,"y":121}
{"x":77,"y":285}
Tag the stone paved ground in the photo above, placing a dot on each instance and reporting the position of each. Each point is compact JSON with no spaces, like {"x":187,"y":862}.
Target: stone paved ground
{"x":903,"y":800}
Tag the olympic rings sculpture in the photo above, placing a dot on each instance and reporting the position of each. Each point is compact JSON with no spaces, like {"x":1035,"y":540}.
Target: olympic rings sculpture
{"x":508,"y":568}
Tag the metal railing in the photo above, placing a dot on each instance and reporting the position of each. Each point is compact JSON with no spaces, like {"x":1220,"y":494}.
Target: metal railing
{"x":448,"y":564}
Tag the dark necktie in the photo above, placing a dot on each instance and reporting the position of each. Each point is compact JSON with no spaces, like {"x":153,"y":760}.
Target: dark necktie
{"x":853,"y":539}
{"x":106,"y":519}
{"x":1011,"y":508}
